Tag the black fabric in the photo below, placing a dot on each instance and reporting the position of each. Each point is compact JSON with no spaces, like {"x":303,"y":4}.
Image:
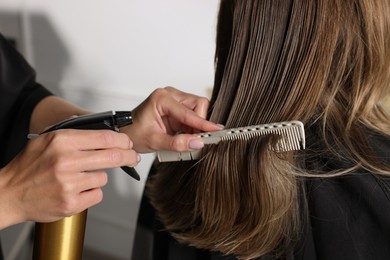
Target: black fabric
{"x":349,"y":217}
{"x":18,"y":97}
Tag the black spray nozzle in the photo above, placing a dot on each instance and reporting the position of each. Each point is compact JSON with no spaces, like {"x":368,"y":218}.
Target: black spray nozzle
{"x":123,"y":118}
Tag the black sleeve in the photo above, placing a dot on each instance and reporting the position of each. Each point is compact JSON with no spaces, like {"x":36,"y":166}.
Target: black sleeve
{"x":19,"y":95}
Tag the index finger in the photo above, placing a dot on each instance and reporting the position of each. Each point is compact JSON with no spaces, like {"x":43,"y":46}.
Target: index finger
{"x":92,"y":139}
{"x":196,"y":103}
{"x":188,"y":117}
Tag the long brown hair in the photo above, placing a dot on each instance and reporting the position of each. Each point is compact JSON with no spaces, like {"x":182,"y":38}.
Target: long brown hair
{"x":325,"y":63}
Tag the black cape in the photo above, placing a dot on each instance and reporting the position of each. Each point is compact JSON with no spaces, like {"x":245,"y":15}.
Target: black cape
{"x":349,"y":218}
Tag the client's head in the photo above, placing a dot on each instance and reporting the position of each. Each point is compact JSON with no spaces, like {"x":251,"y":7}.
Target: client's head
{"x":322,"y":62}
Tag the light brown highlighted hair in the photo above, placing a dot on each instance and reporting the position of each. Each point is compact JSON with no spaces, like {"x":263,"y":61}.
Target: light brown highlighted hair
{"x":323,"y":62}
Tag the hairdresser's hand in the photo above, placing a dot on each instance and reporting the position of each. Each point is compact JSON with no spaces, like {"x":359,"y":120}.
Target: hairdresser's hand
{"x":164,"y":113}
{"x":60,"y":174}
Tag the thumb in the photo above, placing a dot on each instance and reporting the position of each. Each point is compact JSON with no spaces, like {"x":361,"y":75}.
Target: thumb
{"x":179,"y":142}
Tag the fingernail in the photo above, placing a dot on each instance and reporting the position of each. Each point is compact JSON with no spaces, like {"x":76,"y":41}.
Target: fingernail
{"x":221,"y":126}
{"x":131,"y":144}
{"x":196,"y":144}
{"x":138,"y":158}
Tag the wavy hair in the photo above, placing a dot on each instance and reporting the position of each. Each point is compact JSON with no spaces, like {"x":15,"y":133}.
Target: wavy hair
{"x":325,"y":63}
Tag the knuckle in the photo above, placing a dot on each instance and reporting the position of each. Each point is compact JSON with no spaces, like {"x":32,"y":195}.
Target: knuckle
{"x":178,"y":144}
{"x":127,"y":139}
{"x":108,"y":138}
{"x":159,"y":92}
{"x":169,"y":88}
{"x":57,"y":165}
{"x":203,"y":101}
{"x":116,"y":157}
{"x":68,"y":207}
{"x":186,"y":117}
{"x":64,"y":189}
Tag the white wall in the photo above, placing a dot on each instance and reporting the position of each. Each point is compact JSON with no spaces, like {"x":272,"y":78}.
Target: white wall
{"x":129,"y":46}
{"x":110,"y":54}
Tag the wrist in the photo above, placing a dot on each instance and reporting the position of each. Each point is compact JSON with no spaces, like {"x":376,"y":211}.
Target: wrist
{"x":133,"y":130}
{"x":10,"y":209}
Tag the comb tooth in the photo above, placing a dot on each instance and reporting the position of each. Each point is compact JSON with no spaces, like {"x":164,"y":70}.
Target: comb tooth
{"x":284,"y":143}
{"x":279,"y":144}
{"x":296,"y":137}
{"x":287,"y":146}
{"x":287,"y":140}
{"x":290,"y":140}
{"x":283,"y":140}
{"x":298,"y":140}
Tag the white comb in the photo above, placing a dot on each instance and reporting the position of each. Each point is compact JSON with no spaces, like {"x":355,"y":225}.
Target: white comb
{"x":292,"y":135}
